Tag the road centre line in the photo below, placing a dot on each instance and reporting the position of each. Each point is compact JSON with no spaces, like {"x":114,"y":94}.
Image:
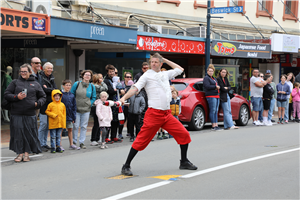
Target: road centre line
{"x":155,"y":185}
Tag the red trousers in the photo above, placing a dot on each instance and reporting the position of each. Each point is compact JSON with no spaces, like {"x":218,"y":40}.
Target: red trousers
{"x":153,"y":120}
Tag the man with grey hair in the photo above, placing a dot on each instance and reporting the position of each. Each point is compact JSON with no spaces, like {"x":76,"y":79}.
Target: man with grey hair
{"x":48,"y":84}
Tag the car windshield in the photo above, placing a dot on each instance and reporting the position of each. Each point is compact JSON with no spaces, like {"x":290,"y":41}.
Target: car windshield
{"x":179,"y":86}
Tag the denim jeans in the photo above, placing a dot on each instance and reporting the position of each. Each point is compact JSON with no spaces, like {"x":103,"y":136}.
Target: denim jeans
{"x":270,"y":113}
{"x":227,"y":113}
{"x":43,"y":129}
{"x":82,"y":120}
{"x":213,"y":104}
{"x":55,"y":137}
{"x":286,"y":112}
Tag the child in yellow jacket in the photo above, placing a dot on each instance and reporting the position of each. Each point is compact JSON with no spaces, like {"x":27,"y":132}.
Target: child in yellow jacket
{"x":56,"y":112}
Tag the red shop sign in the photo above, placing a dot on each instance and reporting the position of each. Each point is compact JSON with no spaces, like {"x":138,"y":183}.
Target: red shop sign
{"x":169,"y":45}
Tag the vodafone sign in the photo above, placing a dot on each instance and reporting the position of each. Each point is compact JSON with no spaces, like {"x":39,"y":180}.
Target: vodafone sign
{"x":169,"y":45}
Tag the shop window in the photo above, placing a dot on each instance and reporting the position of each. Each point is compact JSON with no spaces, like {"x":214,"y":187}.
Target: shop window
{"x":200,"y":5}
{"x":216,"y":36}
{"x":262,"y":5}
{"x":224,"y":36}
{"x":237,"y":3}
{"x":290,"y":10}
{"x":169,"y":1}
{"x":240,"y":37}
{"x":232,"y":36}
{"x":248,"y":37}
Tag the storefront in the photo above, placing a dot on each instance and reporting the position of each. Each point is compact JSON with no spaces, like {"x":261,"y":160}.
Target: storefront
{"x":239,"y":59}
{"x":95,"y":45}
{"x":25,"y":35}
{"x":188,"y":52}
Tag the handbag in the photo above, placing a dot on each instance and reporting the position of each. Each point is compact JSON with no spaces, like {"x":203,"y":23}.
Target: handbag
{"x":64,"y":133}
{"x":6,"y":105}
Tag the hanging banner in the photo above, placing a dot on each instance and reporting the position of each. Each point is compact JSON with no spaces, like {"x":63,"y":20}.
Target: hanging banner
{"x":169,"y":45}
{"x":240,"y":50}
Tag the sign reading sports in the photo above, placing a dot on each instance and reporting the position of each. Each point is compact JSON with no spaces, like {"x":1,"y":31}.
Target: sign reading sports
{"x":25,"y":22}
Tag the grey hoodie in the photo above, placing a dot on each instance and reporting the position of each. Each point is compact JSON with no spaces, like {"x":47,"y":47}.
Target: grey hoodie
{"x":137,"y":104}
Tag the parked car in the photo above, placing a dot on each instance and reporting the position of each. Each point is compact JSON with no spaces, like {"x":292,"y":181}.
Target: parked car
{"x":194,"y":107}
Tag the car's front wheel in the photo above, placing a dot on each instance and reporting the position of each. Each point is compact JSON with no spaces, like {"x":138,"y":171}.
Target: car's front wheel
{"x":243,"y":116}
{"x":198,"y":119}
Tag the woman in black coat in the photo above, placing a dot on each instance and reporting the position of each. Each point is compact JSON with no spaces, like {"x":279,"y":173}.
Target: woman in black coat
{"x":224,"y":98}
{"x":212,"y":94}
{"x":26,"y":95}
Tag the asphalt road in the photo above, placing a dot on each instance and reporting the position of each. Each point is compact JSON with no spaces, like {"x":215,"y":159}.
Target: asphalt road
{"x":248,"y":163}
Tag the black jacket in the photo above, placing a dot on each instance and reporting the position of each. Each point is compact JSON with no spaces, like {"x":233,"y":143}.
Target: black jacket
{"x":223,"y":91}
{"x":25,"y":106}
{"x":110,"y":90}
{"x":209,"y":86}
{"x":49,"y":82}
{"x":297,"y":79}
{"x":268,"y":92}
{"x":138,"y":76}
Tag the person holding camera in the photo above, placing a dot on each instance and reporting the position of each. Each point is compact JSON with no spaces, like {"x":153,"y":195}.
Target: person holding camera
{"x":25,"y":95}
{"x":225,"y":99}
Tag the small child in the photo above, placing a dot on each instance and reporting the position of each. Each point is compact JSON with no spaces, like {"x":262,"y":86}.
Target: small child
{"x":116,"y":82}
{"x":56,"y":112}
{"x":70,"y":102}
{"x":136,"y":107}
{"x":104,"y":114}
{"x":296,"y":101}
{"x":175,"y":104}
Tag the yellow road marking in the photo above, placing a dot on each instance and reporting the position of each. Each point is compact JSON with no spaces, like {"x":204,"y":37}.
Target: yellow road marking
{"x":165,"y":177}
{"x":120,"y":177}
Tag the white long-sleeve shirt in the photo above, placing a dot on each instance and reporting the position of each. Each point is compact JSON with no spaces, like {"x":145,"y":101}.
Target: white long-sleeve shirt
{"x":157,"y":87}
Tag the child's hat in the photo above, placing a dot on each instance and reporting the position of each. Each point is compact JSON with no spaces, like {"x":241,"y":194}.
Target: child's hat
{"x":130,"y":83}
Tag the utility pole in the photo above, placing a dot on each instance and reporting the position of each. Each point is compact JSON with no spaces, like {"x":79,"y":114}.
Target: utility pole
{"x":207,"y":42}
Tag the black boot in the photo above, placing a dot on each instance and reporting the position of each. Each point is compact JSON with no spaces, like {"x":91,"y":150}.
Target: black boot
{"x":126,"y":171}
{"x":187,"y":165}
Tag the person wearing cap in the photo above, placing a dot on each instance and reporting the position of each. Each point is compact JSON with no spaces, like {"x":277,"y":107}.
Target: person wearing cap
{"x":274,"y":97}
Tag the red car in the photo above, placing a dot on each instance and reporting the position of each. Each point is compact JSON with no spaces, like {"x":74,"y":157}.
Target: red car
{"x":194,"y":107}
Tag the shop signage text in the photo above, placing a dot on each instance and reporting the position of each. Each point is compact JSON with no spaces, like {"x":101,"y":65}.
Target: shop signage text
{"x":92,"y":31}
{"x":285,"y":43}
{"x":25,"y":22}
{"x":97,"y":31}
{"x":237,"y":49}
{"x":169,"y":45}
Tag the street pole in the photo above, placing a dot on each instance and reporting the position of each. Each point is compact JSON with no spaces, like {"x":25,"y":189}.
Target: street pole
{"x":207,"y":43}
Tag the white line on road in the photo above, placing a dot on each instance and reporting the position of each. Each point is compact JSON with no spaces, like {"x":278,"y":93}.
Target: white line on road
{"x":138,"y":190}
{"x":152,"y":186}
{"x":12,"y":158}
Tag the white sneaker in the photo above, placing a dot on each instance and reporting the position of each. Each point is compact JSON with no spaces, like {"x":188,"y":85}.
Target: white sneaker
{"x":269,"y":123}
{"x":257,"y":123}
{"x":94,"y":143}
{"x":265,"y":123}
